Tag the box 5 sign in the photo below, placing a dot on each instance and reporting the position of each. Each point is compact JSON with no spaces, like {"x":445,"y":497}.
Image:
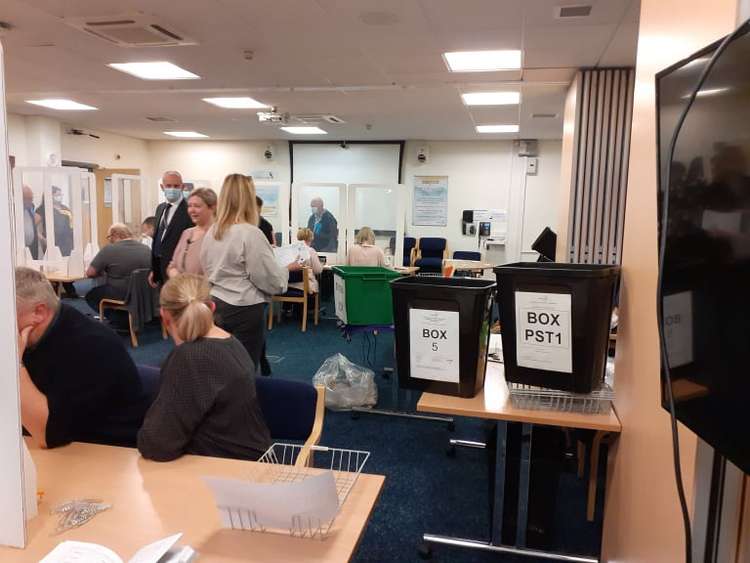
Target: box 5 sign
{"x":434,"y":345}
{"x":543,"y":331}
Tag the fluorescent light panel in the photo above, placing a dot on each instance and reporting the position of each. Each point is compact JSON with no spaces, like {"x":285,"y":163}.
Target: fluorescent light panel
{"x":491,"y":98}
{"x":482,"y":61}
{"x":497,"y":128}
{"x":156,"y":70}
{"x":61,"y":104}
{"x":186,"y":134}
{"x":236,"y":103}
{"x":304,"y":130}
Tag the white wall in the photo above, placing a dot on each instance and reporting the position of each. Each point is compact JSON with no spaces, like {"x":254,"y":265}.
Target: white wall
{"x":213,"y":160}
{"x":488,"y":175}
{"x":542,"y":195}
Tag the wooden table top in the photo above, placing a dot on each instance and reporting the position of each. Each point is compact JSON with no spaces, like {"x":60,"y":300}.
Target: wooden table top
{"x":468,"y":264}
{"x":493,"y":402}
{"x":63,"y":278}
{"x":152,"y":500}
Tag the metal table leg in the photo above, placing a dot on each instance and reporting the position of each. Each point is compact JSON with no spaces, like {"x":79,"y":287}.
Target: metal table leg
{"x":495,"y":544}
{"x":523,"y":486}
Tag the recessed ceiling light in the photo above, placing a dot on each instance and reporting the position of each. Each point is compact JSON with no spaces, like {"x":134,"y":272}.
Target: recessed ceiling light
{"x":482,"y":61}
{"x":491,"y":98}
{"x":304,"y":130}
{"x":61,"y":103}
{"x":497,"y":128}
{"x":236,"y":103}
{"x":186,"y":134}
{"x":156,"y":70}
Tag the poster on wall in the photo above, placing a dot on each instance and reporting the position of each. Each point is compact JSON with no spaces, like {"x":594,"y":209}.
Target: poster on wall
{"x":270,"y":197}
{"x":430,"y":201}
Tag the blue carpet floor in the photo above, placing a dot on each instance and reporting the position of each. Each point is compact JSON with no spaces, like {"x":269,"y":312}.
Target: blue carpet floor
{"x":425,"y":491}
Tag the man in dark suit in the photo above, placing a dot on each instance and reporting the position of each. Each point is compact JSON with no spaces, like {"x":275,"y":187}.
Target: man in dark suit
{"x":171,"y":219}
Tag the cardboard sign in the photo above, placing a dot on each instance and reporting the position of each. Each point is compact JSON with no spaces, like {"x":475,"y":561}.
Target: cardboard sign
{"x":434,"y":345}
{"x":339,"y":296}
{"x":543,"y":331}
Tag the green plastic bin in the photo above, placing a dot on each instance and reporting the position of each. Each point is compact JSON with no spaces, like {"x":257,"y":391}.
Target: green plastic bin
{"x":363,"y":294}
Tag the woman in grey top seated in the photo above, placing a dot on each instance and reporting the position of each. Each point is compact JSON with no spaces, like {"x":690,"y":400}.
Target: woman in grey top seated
{"x":207,"y":404}
{"x":201,"y":205}
{"x":240,"y":265}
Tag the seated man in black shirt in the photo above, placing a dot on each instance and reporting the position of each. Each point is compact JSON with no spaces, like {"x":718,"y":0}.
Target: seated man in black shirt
{"x":78,"y":383}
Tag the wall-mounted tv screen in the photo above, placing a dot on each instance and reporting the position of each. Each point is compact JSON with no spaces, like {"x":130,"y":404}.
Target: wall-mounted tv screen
{"x":706,"y":280}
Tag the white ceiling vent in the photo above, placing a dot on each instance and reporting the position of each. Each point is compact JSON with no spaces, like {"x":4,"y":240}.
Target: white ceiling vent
{"x":567,"y":12}
{"x":132,"y":30}
{"x":316,"y":118}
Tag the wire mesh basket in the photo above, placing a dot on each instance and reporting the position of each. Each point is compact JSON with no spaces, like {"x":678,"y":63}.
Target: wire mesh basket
{"x":539,"y":398}
{"x":292,"y":463}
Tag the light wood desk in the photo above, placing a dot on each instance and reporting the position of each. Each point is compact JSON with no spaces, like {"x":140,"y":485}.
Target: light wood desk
{"x":58,"y":279}
{"x":152,"y":500}
{"x":468,"y":265}
{"x":494,"y":403}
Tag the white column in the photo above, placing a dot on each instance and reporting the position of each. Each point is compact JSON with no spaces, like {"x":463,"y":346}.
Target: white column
{"x":12,"y":521}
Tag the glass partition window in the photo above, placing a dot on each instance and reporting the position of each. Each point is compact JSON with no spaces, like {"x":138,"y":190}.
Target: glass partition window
{"x":322,"y":209}
{"x":49,"y":218}
{"x":381,"y":208}
{"x":126,"y":201}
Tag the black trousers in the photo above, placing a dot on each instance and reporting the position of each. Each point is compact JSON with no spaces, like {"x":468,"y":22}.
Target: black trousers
{"x":246,"y":323}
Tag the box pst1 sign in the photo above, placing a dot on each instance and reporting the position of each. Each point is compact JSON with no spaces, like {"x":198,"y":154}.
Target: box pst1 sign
{"x":543,"y":331}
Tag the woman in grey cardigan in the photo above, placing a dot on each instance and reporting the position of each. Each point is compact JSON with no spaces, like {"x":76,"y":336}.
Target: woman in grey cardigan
{"x":240,"y":265}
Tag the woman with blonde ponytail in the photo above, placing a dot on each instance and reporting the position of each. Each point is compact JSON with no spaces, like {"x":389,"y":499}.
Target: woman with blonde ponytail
{"x":207,"y":403}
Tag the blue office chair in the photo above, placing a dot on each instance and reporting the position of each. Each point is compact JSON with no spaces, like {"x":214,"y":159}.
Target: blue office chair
{"x":467,"y":255}
{"x":409,"y":244}
{"x":293,"y":411}
{"x":150,"y":381}
{"x":431,"y":251}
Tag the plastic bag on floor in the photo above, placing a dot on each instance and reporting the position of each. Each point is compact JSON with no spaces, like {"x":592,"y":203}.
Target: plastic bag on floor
{"x":347,"y":384}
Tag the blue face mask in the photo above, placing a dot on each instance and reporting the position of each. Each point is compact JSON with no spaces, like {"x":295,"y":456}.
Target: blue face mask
{"x":172,"y":195}
{"x":186,"y":194}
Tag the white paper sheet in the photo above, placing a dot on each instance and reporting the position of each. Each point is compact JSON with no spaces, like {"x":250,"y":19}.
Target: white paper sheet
{"x":274,"y":504}
{"x":85,"y":552}
{"x":81,"y":552}
{"x":295,"y":252}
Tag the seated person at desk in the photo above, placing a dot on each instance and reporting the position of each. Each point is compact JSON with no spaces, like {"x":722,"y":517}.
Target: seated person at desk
{"x":207,"y":404}
{"x":313,"y":262}
{"x":364,"y":252}
{"x":78,"y":383}
{"x":116,"y":262}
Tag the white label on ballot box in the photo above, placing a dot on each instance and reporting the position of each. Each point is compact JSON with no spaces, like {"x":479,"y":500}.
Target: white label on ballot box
{"x":434,"y":345}
{"x":543,"y":331}
{"x":339,"y":297}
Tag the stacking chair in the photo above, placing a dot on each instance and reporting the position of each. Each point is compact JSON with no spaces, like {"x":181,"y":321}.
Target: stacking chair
{"x":141,"y":303}
{"x":431,"y":251}
{"x":410,"y":244}
{"x":293,"y":410}
{"x":295,"y":296}
{"x":467,"y":255}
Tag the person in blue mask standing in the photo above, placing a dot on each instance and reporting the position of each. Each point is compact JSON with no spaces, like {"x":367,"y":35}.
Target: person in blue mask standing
{"x":324,"y":226}
{"x":171,"y":219}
